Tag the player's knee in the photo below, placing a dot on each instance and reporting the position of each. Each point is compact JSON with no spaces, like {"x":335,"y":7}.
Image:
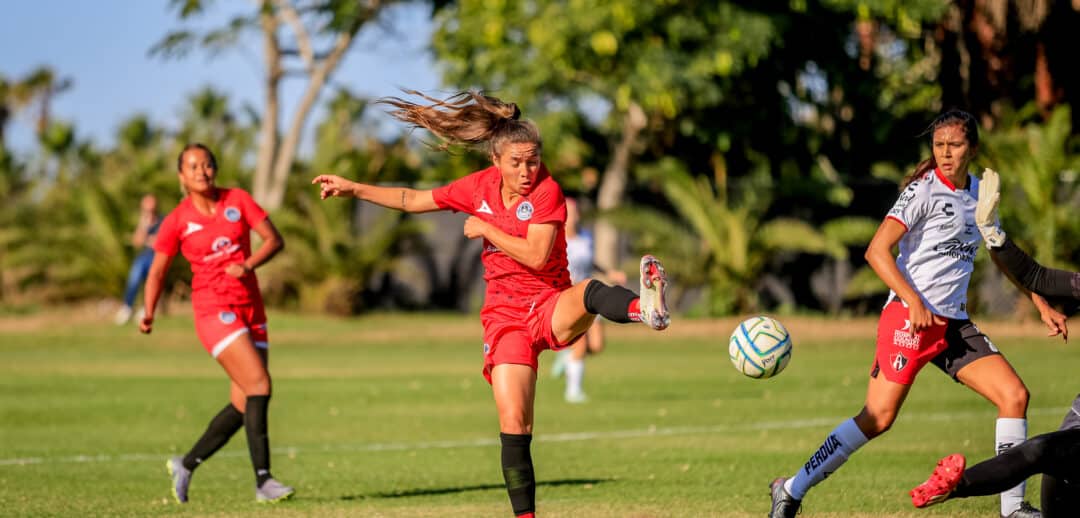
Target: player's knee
{"x":257,"y":385}
{"x":875,"y":423}
{"x":1014,"y":400}
{"x":514,"y":423}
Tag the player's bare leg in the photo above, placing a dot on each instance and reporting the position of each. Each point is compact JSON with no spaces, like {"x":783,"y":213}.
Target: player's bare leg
{"x":514,"y":388}
{"x":246,"y":367}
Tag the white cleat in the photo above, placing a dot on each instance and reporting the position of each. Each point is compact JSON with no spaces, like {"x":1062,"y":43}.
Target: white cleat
{"x":273,"y":491}
{"x":181,"y":478}
{"x":653,"y":303}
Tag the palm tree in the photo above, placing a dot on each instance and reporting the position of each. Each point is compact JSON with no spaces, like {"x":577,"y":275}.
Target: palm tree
{"x":1038,"y":164}
{"x":723,"y":244}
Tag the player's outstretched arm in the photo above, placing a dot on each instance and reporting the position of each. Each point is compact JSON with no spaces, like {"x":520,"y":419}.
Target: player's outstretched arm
{"x":400,"y":198}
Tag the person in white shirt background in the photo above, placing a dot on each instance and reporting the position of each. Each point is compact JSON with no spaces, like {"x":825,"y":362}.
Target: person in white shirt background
{"x":579,"y":254}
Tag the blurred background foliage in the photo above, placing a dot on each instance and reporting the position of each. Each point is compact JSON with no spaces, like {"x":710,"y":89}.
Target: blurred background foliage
{"x":754,"y":146}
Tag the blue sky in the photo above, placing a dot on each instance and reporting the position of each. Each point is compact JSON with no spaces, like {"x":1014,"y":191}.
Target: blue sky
{"x":102,"y":47}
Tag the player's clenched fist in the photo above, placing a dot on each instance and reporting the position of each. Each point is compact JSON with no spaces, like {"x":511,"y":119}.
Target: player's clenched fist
{"x":475,"y":227}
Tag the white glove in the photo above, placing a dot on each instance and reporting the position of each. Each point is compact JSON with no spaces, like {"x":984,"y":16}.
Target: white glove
{"x":986,"y":211}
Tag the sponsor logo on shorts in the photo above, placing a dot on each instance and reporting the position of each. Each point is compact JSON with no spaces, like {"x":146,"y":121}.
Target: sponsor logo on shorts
{"x":898,"y":361}
{"x":491,"y":248}
{"x":990,"y":344}
{"x":487,"y":348}
{"x":525,"y":211}
{"x":226,"y":317}
{"x":904,"y":338}
{"x":819,"y":457}
{"x":232,"y":214}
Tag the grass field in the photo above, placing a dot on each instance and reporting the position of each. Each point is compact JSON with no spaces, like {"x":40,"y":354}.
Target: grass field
{"x":388,"y":415}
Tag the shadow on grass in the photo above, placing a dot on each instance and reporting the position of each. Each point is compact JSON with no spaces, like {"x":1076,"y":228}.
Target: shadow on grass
{"x":407,"y":493}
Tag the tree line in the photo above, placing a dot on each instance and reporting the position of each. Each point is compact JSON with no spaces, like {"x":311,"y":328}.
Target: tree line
{"x":755,"y":145}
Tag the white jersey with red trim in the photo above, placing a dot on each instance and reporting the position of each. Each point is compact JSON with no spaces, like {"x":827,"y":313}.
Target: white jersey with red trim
{"x":937,"y":254}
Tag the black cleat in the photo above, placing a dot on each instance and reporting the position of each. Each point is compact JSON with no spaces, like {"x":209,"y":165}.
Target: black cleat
{"x":1025,"y":511}
{"x":783,"y":504}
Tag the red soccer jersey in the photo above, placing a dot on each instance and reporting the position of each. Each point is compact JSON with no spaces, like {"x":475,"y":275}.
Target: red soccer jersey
{"x":210,"y":243}
{"x":510,"y":282}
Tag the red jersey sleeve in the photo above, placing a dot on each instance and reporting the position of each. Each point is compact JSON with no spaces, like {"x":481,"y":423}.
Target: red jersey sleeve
{"x":253,"y":213}
{"x":458,"y":194}
{"x":549,"y":204}
{"x":168,"y":237}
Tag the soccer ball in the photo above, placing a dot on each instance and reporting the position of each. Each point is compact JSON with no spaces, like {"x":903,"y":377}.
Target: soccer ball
{"x":760,"y":347}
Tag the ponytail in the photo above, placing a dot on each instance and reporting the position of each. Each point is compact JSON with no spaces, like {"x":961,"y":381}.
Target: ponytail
{"x":926,"y":165}
{"x":466,"y":118}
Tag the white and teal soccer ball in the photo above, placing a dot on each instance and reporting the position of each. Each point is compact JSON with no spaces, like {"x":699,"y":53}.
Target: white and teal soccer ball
{"x":760,"y":347}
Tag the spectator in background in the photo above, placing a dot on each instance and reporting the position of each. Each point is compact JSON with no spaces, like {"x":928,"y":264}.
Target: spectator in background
{"x":143,"y":241}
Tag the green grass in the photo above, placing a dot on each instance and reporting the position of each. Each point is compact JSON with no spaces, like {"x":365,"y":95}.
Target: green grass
{"x":389,"y":416}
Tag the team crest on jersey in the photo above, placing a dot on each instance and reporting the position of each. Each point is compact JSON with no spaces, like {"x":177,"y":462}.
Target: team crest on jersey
{"x":525,"y":211}
{"x":232,"y":214}
{"x":898,"y":361}
{"x":226,"y":317}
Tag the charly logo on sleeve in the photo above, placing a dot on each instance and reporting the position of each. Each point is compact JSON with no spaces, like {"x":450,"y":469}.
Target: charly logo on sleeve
{"x":525,"y":211}
{"x":232,"y":214}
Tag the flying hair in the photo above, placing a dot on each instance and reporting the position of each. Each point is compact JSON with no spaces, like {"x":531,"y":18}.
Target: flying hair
{"x":467,"y":118}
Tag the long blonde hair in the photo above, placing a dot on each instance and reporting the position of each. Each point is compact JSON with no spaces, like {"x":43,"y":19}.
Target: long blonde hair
{"x":467,"y":118}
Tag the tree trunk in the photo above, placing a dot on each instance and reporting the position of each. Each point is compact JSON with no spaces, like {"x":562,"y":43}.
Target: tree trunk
{"x":268,"y":126}
{"x":286,"y":152}
{"x":613,"y":187}
{"x":1046,"y":96}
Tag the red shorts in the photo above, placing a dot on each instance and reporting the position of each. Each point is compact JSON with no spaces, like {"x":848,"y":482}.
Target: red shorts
{"x":901,"y":355}
{"x":513,"y":336}
{"x":218,"y":326}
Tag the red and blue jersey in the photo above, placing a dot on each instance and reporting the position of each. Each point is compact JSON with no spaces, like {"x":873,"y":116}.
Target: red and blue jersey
{"x":510,"y":283}
{"x":212,"y":242}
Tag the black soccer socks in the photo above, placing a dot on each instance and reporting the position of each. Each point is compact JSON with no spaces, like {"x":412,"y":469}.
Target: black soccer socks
{"x":221,"y":429}
{"x":257,"y":436}
{"x":610,"y":302}
{"x":517,"y":468}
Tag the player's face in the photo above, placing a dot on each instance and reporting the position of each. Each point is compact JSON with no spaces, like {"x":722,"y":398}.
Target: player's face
{"x":519,"y":163}
{"x":197,"y":171}
{"x":952,"y":151}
